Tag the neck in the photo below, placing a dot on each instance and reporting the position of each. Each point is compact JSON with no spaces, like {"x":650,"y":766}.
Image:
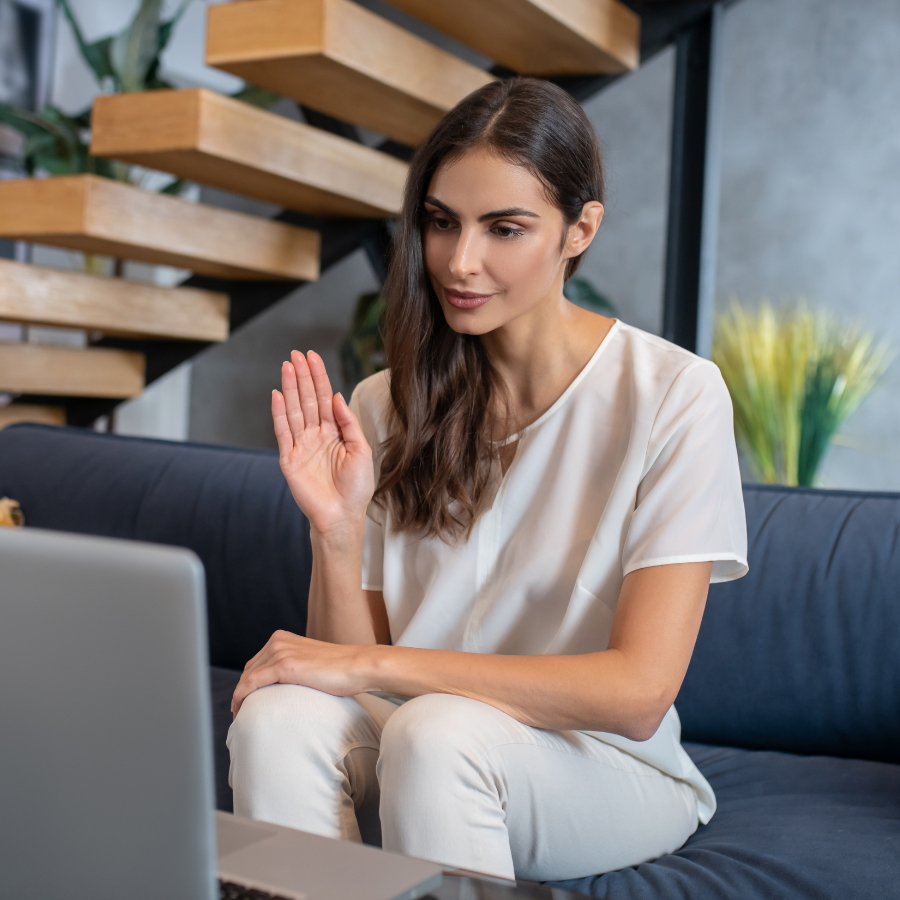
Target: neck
{"x":538,"y":355}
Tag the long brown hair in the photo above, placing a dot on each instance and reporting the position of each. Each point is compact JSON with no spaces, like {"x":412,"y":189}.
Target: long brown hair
{"x":436,"y":462}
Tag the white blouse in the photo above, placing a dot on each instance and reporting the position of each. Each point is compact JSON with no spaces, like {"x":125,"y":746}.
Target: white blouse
{"x":634,"y":465}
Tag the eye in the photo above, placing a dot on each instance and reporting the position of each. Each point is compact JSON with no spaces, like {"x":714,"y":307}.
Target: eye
{"x":440,"y":223}
{"x":507,"y":232}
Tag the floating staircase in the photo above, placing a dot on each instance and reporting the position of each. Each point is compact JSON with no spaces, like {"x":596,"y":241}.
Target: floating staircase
{"x":99,"y":215}
{"x":60,"y":299}
{"x":90,"y":372}
{"x":562,"y":37}
{"x":202,"y":136}
{"x":338,"y":58}
{"x":348,"y":68}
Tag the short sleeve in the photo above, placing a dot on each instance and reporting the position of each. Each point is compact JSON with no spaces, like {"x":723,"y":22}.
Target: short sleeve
{"x":690,"y":504}
{"x":373,"y":535}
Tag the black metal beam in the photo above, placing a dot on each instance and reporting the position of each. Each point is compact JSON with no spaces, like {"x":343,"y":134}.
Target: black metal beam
{"x":686,"y":182}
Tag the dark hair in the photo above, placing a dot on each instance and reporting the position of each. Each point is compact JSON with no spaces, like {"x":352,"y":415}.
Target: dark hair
{"x":436,"y":460}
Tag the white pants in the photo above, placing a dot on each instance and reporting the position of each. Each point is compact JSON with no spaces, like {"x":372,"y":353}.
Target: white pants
{"x":454,"y":781}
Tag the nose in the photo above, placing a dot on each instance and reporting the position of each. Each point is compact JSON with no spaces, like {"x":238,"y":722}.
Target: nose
{"x":466,"y":256}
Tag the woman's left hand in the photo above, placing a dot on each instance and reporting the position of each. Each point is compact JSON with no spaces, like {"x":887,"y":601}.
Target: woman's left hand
{"x":290,"y":659}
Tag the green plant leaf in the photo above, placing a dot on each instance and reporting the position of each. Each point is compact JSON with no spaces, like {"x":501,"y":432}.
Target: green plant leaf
{"x":24,"y":121}
{"x":257,"y":96}
{"x":96,"y":55}
{"x":581,"y":292}
{"x":175,"y":188}
{"x":134,"y":49}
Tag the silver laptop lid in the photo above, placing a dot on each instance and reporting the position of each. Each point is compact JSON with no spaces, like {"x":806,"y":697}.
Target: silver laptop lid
{"x":106,"y":783}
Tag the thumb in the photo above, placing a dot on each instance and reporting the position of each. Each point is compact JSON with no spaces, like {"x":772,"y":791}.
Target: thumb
{"x":348,"y":423}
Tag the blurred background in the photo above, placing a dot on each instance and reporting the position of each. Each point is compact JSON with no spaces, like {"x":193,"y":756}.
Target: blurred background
{"x":801,"y":207}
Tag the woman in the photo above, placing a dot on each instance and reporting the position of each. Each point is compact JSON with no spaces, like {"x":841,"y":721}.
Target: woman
{"x":537,"y":497}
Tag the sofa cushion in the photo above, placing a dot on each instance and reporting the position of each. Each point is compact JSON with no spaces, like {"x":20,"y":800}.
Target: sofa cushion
{"x":231,"y":507}
{"x":801,"y":654}
{"x":222,"y":685}
{"x":799,"y":827}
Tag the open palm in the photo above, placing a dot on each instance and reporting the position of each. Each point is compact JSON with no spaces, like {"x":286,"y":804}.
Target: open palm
{"x":323,"y":452}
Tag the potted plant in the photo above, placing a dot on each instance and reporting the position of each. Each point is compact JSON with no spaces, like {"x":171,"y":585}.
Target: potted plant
{"x":794,"y":376}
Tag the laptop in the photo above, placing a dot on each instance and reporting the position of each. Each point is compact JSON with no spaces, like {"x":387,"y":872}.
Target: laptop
{"x":106,"y":756}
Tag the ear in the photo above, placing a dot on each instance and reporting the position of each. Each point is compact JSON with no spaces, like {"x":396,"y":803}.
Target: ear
{"x":582,"y":232}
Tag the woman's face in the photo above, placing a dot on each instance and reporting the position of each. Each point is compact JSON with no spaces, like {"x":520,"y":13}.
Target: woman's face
{"x":492,"y":241}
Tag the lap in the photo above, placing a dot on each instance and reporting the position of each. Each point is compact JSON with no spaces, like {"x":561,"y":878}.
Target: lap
{"x":572,"y":803}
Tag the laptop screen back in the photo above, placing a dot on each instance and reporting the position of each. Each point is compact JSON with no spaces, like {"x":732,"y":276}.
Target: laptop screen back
{"x":106,"y":784}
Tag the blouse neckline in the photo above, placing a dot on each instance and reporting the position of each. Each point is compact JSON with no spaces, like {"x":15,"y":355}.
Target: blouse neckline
{"x":564,"y":396}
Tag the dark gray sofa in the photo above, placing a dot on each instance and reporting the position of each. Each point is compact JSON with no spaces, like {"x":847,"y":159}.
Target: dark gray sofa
{"x":791,"y":706}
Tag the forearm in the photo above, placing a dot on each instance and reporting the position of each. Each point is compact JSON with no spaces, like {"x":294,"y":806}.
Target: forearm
{"x":338,"y":610}
{"x":603,"y":691}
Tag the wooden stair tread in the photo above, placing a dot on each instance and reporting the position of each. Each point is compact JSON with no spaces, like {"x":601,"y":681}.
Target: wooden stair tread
{"x":540,"y":37}
{"x":70,"y":372}
{"x":39,"y":296}
{"x":99,"y":215}
{"x":216,"y":140}
{"x":342,"y":59}
{"x":31,"y":412}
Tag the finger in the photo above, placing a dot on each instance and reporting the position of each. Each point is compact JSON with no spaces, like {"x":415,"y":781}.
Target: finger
{"x":351,"y":431}
{"x":248,"y":684}
{"x":292,"y":400}
{"x":282,"y":428}
{"x":321,"y":384}
{"x":308,"y":402}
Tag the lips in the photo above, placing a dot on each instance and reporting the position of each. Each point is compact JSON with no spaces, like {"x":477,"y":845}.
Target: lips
{"x":465,"y":299}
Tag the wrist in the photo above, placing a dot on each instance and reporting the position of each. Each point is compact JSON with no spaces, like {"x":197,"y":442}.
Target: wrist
{"x":343,"y":537}
{"x":374,"y":667}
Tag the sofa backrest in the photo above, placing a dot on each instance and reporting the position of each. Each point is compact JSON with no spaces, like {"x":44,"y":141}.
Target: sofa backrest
{"x":799,"y":655}
{"x":231,"y":507}
{"x":803,"y":653}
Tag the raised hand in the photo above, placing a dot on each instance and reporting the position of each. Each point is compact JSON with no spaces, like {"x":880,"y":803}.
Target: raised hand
{"x":323,"y":453}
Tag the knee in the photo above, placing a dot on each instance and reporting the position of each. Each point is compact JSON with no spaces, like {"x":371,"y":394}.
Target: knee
{"x":435,"y":731}
{"x":278,"y":713}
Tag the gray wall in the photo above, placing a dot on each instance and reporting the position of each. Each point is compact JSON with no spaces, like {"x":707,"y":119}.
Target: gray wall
{"x":633,"y":119}
{"x":231,"y":384}
{"x":810,"y":186}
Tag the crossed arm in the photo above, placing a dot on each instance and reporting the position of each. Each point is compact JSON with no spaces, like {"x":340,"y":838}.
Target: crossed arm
{"x":625,"y":689}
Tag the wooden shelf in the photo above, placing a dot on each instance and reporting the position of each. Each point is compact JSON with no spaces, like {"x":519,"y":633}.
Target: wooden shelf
{"x":211,"y":139}
{"x":98,"y":215}
{"x":70,"y":372}
{"x":341,"y":59}
{"x":39,"y":296}
{"x":540,"y":37}
{"x":27,"y":412}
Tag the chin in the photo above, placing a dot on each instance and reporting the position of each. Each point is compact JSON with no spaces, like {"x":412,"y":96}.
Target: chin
{"x":464,"y":321}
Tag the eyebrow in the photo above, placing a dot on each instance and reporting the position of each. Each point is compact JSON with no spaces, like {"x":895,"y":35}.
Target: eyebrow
{"x":495,"y":214}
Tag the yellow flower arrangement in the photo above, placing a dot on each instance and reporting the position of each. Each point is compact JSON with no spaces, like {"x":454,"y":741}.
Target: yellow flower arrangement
{"x":794,"y":376}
